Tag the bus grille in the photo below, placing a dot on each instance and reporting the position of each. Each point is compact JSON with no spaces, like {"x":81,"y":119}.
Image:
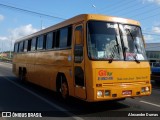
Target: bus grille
{"x":123,"y":84}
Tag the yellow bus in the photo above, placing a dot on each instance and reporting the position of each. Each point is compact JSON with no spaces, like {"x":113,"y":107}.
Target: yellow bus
{"x":91,"y":57}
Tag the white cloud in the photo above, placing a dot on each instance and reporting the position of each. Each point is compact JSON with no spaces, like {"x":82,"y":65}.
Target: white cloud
{"x":16,"y":34}
{"x":1,"y":17}
{"x":148,"y":38}
{"x":156,"y":29}
{"x":3,"y":38}
{"x":153,"y":1}
{"x":22,"y":31}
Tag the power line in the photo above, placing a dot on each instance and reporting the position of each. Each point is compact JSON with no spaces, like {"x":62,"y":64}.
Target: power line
{"x":119,"y":10}
{"x":149,"y":17}
{"x":128,"y":12}
{"x":117,"y":5}
{"x":134,"y":9}
{"x":29,"y":11}
{"x":145,"y":12}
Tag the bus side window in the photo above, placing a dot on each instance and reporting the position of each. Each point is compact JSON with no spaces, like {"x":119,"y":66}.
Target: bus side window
{"x":78,"y":49}
{"x":78,"y":35}
{"x":33,"y":44}
{"x":63,"y":37}
{"x":16,"y":48}
{"x":25,"y":45}
{"x":49,"y":40}
{"x":21,"y":47}
{"x":40,"y":43}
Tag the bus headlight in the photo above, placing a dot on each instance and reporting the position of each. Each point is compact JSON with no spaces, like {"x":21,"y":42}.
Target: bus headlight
{"x":99,"y":93}
{"x":147,"y":89}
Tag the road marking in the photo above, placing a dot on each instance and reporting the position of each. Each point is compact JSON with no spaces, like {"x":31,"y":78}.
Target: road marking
{"x":47,"y":101}
{"x":150,"y":103}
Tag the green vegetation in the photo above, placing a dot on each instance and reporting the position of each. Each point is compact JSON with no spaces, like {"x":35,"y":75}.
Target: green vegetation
{"x":5,"y":59}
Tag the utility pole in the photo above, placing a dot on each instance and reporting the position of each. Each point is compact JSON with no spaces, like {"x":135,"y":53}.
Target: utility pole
{"x":10,"y":49}
{"x":41,"y":23}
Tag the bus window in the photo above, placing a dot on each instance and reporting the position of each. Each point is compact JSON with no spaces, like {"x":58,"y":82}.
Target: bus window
{"x":78,"y":35}
{"x":21,"y":48}
{"x":33,"y":44}
{"x":16,"y":48}
{"x":40,"y":43}
{"x":78,"y":49}
{"x":103,"y":41}
{"x":25,"y":45}
{"x":63,"y":37}
{"x":49,"y":41}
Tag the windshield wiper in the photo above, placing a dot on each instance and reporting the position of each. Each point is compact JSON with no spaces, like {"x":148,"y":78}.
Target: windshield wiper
{"x":114,"y":49}
{"x":135,"y":57}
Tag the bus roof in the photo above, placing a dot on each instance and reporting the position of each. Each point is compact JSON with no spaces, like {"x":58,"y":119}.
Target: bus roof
{"x":79,"y":18}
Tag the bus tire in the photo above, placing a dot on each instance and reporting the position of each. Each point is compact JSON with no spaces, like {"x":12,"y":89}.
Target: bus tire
{"x":64,"y":90}
{"x":62,"y":87}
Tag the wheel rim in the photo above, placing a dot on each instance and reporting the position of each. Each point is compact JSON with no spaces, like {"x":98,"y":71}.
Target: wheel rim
{"x":64,"y":90}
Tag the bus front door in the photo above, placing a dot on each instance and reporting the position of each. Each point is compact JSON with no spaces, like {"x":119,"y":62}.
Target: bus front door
{"x":79,"y":71}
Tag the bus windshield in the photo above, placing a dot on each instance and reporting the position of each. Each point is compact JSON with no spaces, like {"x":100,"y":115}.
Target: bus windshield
{"x":133,"y":43}
{"x":105,"y":41}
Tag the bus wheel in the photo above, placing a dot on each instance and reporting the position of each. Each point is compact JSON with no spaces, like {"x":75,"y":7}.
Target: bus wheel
{"x":64,"y":90}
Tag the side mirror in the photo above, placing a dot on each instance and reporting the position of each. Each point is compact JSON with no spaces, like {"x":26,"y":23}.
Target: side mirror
{"x":78,"y":53}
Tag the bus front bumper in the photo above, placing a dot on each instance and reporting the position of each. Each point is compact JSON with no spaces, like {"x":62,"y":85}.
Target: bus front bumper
{"x":118,"y":92}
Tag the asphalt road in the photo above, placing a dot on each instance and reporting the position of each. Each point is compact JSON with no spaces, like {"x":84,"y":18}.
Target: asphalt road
{"x":26,"y":97}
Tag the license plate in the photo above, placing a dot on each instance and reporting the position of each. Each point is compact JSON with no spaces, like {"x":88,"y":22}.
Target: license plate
{"x":127,"y":92}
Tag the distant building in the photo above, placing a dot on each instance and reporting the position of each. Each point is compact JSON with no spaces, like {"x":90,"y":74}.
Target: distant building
{"x":153,"y":52}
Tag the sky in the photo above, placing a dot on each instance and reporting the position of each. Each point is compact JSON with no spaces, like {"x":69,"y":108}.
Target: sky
{"x":16,"y":23}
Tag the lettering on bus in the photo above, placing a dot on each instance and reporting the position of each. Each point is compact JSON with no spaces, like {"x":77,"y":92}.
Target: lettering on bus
{"x":133,"y":78}
{"x":104,"y":75}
